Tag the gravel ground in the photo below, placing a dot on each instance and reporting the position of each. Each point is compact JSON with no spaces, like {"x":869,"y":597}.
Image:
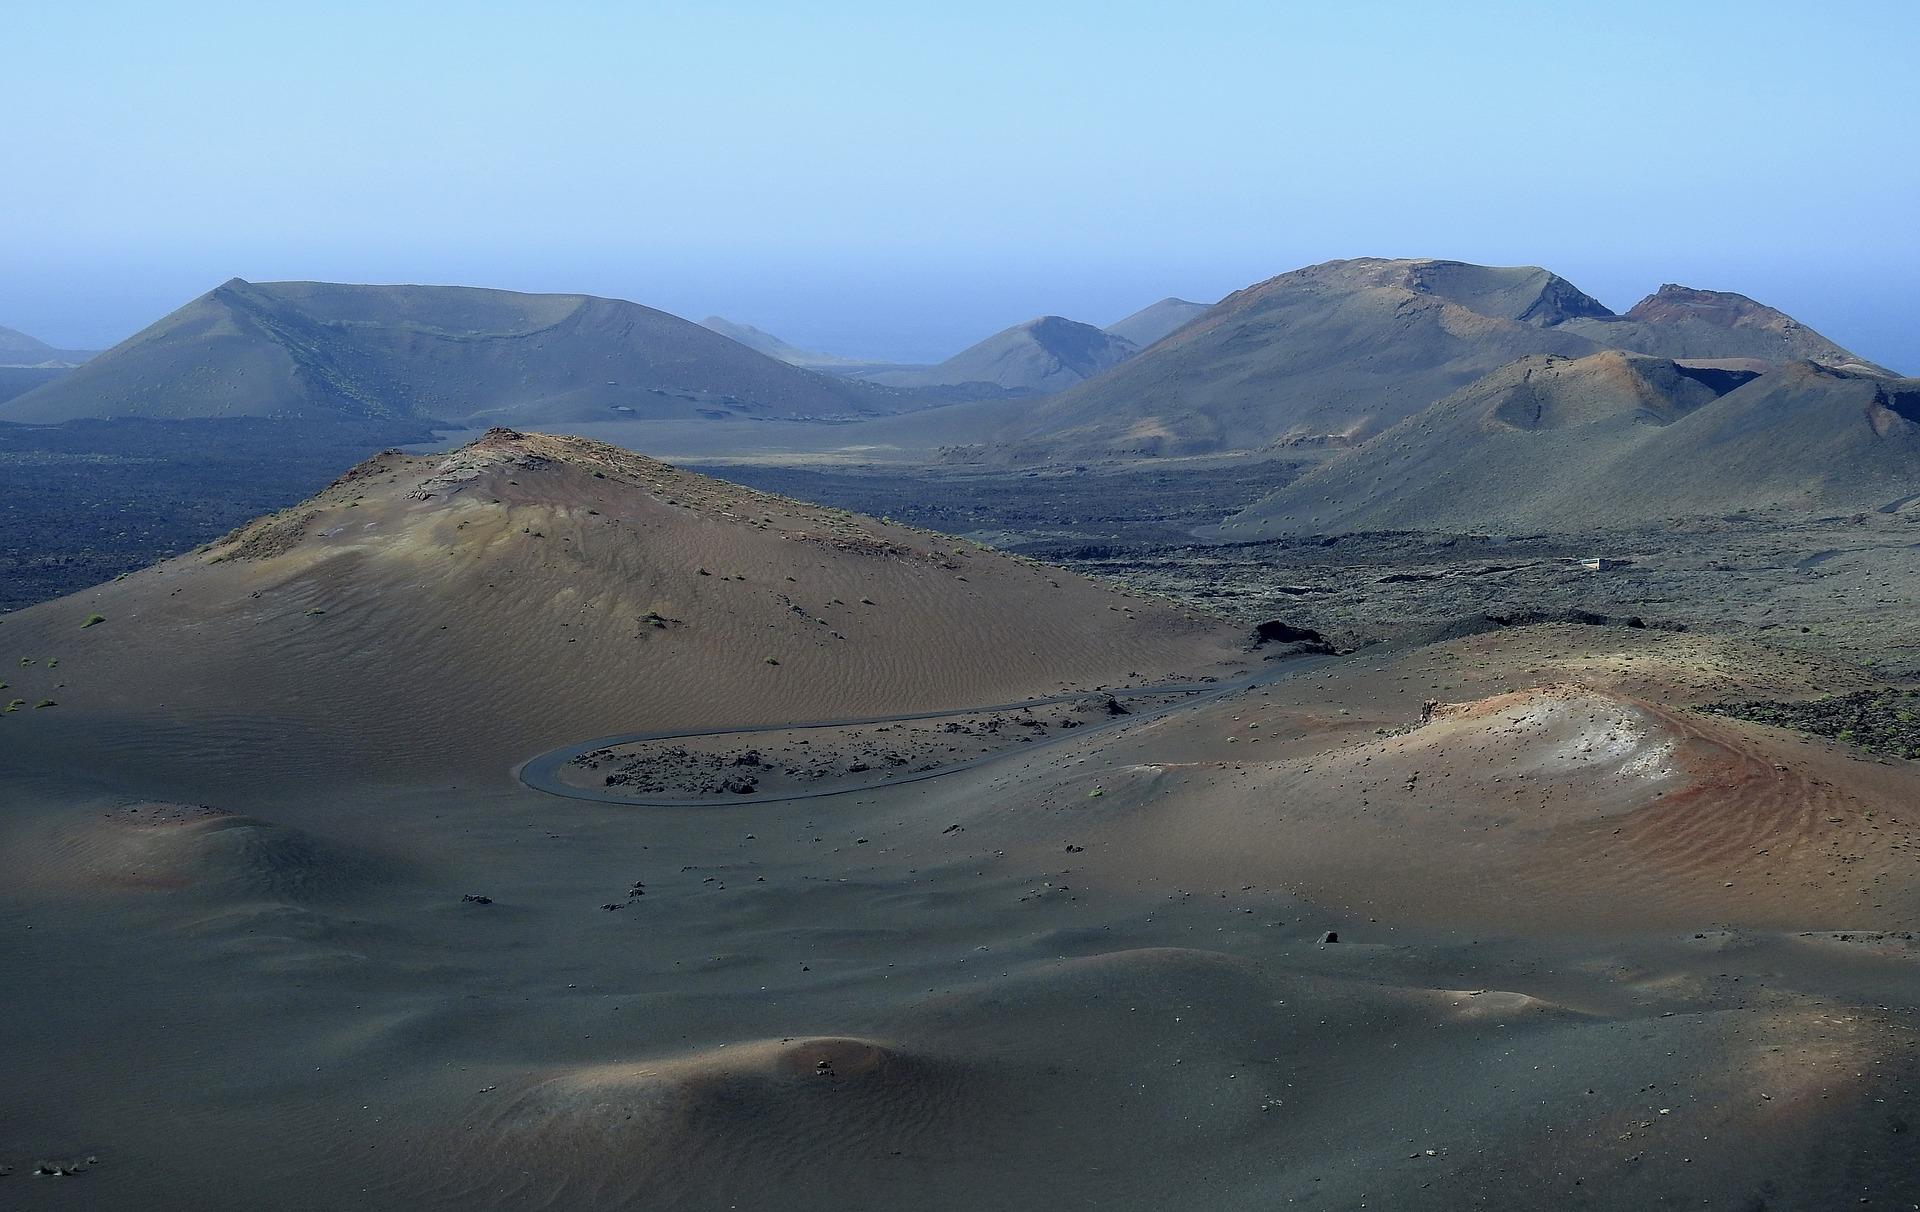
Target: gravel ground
{"x":1837,"y":588}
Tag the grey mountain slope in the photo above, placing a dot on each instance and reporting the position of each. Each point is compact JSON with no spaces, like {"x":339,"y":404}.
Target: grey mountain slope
{"x":1683,"y":322}
{"x":1151,"y":323}
{"x":27,"y":363}
{"x":1557,"y":444}
{"x":17,"y":349}
{"x":1341,"y":349}
{"x":1040,"y":356}
{"x":19,"y":380}
{"x":772,"y":346}
{"x":315,"y":350}
{"x":1334,"y":353}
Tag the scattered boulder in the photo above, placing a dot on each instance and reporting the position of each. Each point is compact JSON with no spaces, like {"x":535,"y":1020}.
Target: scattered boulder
{"x":1274,"y":631}
{"x":1289,"y":639}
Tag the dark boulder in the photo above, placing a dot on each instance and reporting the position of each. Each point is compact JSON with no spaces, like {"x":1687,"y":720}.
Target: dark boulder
{"x":1273,"y":631}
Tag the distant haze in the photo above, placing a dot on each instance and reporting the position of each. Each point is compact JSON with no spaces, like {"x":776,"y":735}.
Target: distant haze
{"x":877,"y":181}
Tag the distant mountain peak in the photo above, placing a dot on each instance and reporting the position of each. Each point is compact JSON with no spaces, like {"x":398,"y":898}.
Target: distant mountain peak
{"x":1688,"y":321}
{"x":17,"y":349}
{"x":761,"y":341}
{"x":1037,"y":356}
{"x":1079,"y":348}
{"x":14,"y":343}
{"x":1526,"y":293}
{"x":1723,"y":307}
{"x":1158,"y":320}
{"x":1060,"y":329}
{"x":412,"y":353}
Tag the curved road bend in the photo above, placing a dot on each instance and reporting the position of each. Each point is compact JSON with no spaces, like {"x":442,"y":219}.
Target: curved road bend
{"x":542,"y":772}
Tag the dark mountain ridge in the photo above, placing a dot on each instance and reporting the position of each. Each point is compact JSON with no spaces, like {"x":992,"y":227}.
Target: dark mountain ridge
{"x":315,"y":350}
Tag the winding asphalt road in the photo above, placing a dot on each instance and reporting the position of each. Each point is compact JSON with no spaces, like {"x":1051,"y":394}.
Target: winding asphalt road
{"x":542,"y":773}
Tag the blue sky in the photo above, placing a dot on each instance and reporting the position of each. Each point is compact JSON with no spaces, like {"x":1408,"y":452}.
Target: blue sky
{"x":898,"y":179}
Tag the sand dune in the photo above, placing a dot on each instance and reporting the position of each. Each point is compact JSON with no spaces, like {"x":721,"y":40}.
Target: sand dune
{"x":433,"y":613}
{"x":779,"y":1120}
{"x":1575,"y":803}
{"x":193,"y":850}
{"x":1499,"y":920}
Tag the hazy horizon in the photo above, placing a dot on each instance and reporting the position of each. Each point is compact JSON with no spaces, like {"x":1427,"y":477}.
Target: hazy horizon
{"x":889,"y":184}
{"x":1401,"y":740}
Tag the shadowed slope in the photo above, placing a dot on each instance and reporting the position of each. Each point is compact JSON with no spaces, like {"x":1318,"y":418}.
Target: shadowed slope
{"x":1553,"y":444}
{"x":765,"y":1118}
{"x":194,"y":850}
